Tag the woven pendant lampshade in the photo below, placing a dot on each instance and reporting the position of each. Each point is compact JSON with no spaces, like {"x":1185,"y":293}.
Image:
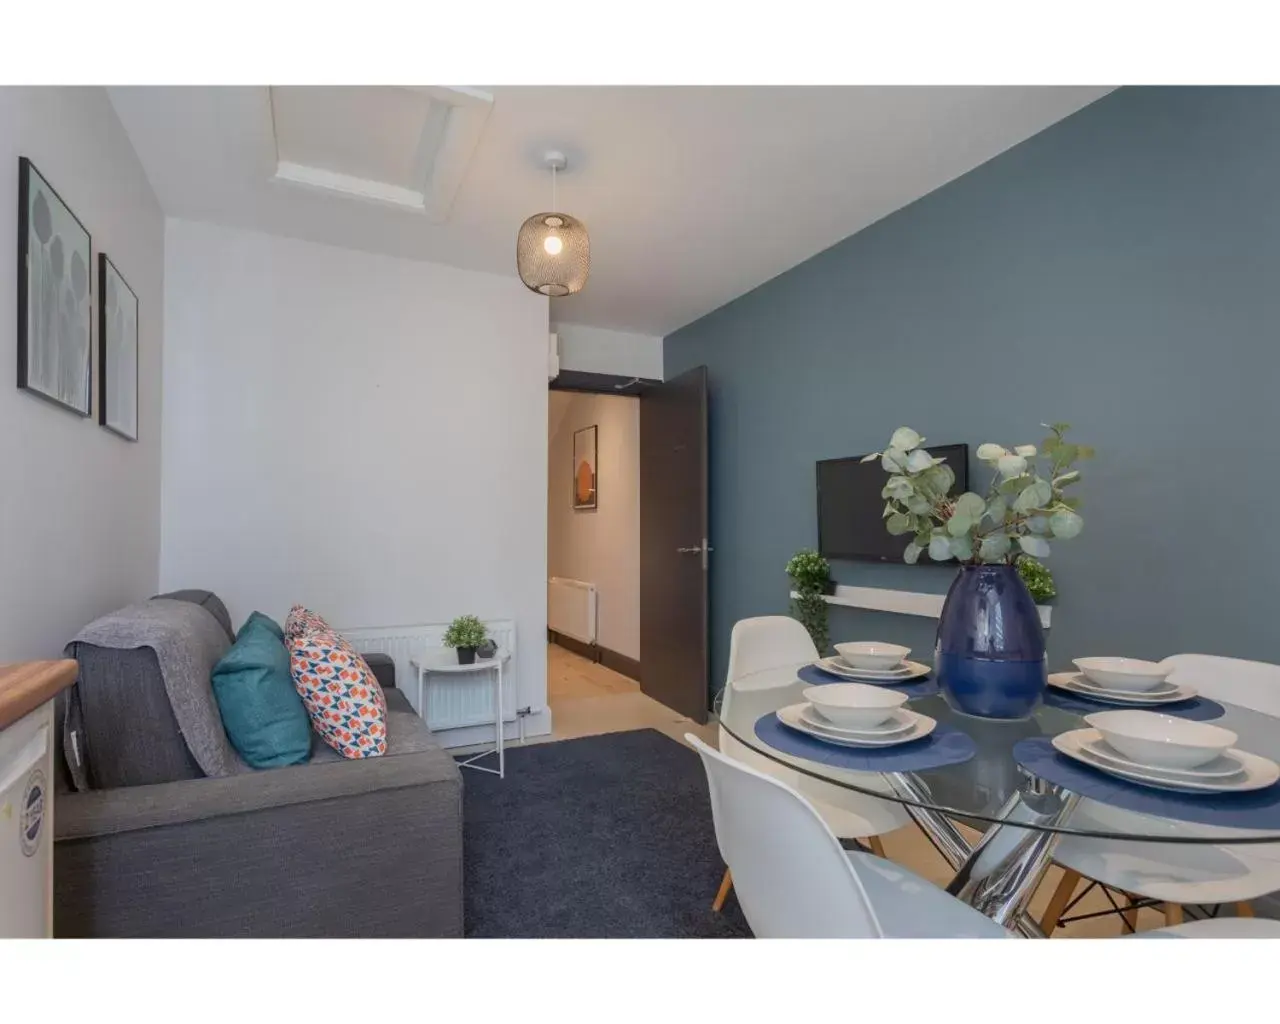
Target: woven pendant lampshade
{"x":553,"y":252}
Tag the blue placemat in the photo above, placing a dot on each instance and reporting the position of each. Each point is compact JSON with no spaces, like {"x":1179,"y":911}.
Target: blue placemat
{"x":1259,"y":809}
{"x":1198,"y":709}
{"x":815,"y":676}
{"x":945,"y":745}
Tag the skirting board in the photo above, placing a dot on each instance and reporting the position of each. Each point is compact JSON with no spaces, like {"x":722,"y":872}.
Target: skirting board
{"x":620,"y":663}
{"x":905,"y":602}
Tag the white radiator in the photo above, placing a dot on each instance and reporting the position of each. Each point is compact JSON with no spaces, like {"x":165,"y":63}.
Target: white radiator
{"x":451,"y":703}
{"x":571,"y":608}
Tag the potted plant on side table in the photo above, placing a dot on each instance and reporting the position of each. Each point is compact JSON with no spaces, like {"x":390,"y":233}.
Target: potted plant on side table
{"x":465,"y":634}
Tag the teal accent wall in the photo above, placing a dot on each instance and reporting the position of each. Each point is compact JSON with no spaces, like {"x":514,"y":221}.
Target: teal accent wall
{"x":1120,"y":271}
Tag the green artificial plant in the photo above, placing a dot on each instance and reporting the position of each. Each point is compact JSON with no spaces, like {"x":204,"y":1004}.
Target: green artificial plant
{"x":1025,"y":505}
{"x":809,"y":573}
{"x":465,"y":631}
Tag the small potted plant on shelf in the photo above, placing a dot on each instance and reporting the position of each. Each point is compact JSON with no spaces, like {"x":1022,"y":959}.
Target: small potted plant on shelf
{"x":465,"y":634}
{"x":1038,"y":579}
{"x":811,"y":576}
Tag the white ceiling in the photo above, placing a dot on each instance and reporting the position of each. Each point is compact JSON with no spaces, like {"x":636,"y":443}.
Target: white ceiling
{"x":692,"y":195}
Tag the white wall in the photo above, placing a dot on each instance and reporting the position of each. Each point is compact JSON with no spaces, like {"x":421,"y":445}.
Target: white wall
{"x":363,"y":434}
{"x":80,"y":506}
{"x":596,"y":350}
{"x":600,"y":546}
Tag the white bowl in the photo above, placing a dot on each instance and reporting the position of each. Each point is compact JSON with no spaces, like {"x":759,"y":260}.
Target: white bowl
{"x":854,"y":705}
{"x":1128,"y":674}
{"x":872,"y":654}
{"x":1161,"y":741}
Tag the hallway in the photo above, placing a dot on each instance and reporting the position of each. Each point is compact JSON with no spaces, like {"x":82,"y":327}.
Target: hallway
{"x":587,"y":699}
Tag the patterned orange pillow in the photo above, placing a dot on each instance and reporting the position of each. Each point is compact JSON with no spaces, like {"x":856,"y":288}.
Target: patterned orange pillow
{"x":341,"y":695}
{"x":303,"y":620}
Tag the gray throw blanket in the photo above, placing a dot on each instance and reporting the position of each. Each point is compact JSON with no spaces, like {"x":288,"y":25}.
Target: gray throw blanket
{"x":188,"y":641}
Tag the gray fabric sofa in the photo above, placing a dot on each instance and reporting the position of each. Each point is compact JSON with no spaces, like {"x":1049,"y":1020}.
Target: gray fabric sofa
{"x":331,"y":848}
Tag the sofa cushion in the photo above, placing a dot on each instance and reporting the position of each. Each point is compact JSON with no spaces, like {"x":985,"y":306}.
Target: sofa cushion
{"x":340,"y":693}
{"x":302,"y":621}
{"x":406,"y":732}
{"x":260,"y":708}
{"x":258,"y":619}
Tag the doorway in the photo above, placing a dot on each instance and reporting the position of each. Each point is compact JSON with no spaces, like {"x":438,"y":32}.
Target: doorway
{"x":626,"y":602}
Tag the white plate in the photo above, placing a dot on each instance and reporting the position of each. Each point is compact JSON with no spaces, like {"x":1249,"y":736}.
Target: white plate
{"x":899,"y":669}
{"x":793,"y":717}
{"x":1073,"y":682}
{"x":1255,"y":772}
{"x":898,"y":722}
{"x":1218,"y":768}
{"x":911,"y":670}
{"x":1159,"y":690}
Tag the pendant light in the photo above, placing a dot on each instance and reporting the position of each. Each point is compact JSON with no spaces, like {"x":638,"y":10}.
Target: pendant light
{"x":553,"y":253}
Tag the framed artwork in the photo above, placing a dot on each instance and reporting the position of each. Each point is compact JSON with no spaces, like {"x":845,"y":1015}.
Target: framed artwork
{"x":584,"y":468}
{"x":117,"y":351}
{"x":54,"y":301}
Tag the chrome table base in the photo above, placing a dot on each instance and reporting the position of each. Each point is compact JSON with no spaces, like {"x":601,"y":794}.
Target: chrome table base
{"x":998,"y":875}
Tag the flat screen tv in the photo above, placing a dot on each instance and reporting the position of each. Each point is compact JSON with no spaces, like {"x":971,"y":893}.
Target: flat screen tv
{"x":851,"y":511}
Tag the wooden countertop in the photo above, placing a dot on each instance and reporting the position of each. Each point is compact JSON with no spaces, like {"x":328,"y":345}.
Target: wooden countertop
{"x":25,"y":685}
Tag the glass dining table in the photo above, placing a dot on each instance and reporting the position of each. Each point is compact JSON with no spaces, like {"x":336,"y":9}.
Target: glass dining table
{"x":1017,"y":806}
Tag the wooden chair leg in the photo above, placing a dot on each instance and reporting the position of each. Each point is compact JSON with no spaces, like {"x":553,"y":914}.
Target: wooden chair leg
{"x":727,"y":884}
{"x":1244,"y":909}
{"x":1173,"y":913}
{"x":877,"y":847}
{"x":1059,"y":900}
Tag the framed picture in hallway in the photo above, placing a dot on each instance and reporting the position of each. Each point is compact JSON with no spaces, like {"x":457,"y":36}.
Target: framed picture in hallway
{"x":584,"y":468}
{"x":54,"y":303}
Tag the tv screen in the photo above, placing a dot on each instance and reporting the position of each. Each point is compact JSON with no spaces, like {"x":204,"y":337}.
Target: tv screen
{"x":851,"y":511}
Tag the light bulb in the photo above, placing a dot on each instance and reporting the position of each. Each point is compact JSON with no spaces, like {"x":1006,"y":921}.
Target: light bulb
{"x":553,"y":244}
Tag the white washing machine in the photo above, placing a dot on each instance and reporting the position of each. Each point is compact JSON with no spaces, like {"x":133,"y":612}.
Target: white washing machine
{"x":26,"y":826}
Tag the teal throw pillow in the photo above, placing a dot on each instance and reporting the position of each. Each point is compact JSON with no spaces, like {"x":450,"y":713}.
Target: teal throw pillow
{"x":258,"y":619}
{"x":260,"y":708}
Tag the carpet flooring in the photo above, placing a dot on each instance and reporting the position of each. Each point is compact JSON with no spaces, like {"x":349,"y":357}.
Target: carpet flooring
{"x":603,"y":837}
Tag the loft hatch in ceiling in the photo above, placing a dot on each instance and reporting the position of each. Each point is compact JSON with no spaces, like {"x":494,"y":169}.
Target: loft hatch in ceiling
{"x":408,"y":146}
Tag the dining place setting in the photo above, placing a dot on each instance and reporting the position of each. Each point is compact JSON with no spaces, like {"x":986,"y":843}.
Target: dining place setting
{"x":867,"y":710}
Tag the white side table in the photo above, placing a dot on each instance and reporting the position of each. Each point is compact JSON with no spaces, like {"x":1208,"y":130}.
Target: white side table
{"x":444,"y":661}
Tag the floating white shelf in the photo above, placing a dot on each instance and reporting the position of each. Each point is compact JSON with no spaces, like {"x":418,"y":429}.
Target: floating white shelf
{"x":905,"y":602}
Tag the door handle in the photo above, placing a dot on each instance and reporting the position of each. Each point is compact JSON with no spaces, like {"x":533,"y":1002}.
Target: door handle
{"x":704,"y":549}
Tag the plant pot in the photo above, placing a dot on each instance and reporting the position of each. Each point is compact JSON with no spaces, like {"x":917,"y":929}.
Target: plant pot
{"x":989,"y":656}
{"x":829,"y":588}
{"x":466,"y":655}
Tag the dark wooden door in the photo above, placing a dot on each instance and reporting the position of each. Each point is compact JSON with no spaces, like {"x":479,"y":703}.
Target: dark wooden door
{"x":674,"y":556}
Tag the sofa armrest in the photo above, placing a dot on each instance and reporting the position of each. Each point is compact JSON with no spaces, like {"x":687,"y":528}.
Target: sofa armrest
{"x":353,"y":848}
{"x":383,"y":667}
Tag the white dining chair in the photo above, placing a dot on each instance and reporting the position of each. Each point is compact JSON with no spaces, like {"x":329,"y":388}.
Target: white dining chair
{"x":776,"y":641}
{"x":795,"y":881}
{"x":1175,"y":874}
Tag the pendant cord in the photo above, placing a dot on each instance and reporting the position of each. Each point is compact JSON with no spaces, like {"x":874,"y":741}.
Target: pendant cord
{"x":554,"y":208}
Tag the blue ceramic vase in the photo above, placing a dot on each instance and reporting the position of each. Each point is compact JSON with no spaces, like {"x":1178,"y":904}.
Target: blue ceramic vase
{"x":989,"y":657}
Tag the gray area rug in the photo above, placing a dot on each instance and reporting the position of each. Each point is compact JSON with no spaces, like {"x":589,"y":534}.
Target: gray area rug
{"x":607,"y":836}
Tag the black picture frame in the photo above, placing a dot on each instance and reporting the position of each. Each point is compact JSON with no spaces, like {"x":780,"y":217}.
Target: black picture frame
{"x":26,"y":376}
{"x":106,"y":265}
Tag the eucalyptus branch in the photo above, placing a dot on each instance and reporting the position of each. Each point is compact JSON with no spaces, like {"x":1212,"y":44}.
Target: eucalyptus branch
{"x":1021,"y":506}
